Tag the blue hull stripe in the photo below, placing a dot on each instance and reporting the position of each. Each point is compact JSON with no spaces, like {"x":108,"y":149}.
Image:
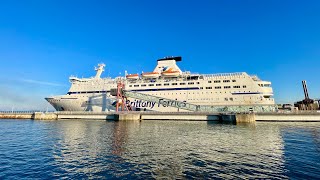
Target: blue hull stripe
{"x":165,"y":89}
{"x":88,"y":92}
{"x":244,"y":93}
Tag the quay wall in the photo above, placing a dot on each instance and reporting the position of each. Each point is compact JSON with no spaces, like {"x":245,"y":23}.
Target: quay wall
{"x":87,"y":116}
{"x":181,"y":116}
{"x":14,"y":115}
{"x":290,"y":117}
{"x":45,"y":116}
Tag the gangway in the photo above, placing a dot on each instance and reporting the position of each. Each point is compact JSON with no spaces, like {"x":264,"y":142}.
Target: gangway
{"x":162,"y":101}
{"x":199,"y":108}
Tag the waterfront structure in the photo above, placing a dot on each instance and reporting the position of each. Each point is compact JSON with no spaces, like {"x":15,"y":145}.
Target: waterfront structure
{"x":167,"y":81}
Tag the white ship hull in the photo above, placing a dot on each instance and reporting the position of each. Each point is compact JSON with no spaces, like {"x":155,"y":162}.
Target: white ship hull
{"x":90,"y":103}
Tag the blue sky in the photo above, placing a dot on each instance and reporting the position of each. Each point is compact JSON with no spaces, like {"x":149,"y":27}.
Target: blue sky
{"x":43,"y":42}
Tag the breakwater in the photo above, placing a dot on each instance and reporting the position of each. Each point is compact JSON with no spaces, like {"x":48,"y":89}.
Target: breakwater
{"x":298,"y":116}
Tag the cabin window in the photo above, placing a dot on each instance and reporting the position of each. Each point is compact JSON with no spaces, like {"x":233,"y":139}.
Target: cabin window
{"x":151,"y":84}
{"x":226,"y":99}
{"x":231,"y":99}
{"x":158,"y":84}
{"x":143,"y":85}
{"x":130,"y":85}
{"x":217,"y":87}
{"x":236,"y":86}
{"x":227,"y":87}
{"x":244,"y":86}
{"x":217,"y":81}
{"x":182,"y":83}
{"x":190,"y":82}
{"x":208,"y":87}
{"x":136,"y":85}
{"x":225,"y":81}
{"x":209,"y":81}
{"x":201,"y":87}
{"x":198,"y":83}
{"x":174,"y":84}
{"x":233,"y":80}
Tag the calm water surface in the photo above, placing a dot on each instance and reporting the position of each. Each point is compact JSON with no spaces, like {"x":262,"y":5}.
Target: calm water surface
{"x":158,"y":149}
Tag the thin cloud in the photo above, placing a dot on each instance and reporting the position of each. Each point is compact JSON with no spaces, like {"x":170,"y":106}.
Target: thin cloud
{"x":41,"y":82}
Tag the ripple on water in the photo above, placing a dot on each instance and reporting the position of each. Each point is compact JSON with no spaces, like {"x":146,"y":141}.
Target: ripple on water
{"x":85,"y":149}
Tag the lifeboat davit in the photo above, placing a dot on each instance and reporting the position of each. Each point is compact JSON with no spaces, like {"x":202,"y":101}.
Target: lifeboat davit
{"x":132,"y":76}
{"x":170,"y":73}
{"x":150,"y":75}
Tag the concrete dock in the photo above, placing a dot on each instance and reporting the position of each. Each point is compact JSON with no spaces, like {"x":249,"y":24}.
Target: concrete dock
{"x":298,"y":116}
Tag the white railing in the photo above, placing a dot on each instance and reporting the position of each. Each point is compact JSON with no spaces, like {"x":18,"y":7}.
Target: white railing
{"x":21,"y":112}
{"x":225,"y":74}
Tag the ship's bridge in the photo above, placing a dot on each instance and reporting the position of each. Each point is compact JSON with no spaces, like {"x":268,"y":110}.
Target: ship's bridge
{"x":265,"y":88}
{"x":74,"y":79}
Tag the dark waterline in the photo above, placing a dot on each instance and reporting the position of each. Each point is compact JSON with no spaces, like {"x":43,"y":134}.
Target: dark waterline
{"x":158,"y":149}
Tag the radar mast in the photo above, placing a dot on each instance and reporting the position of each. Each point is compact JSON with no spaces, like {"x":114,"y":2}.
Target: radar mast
{"x":99,"y":70}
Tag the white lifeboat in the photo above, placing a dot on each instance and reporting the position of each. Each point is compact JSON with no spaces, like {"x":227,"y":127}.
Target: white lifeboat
{"x":132,"y":76}
{"x":150,"y":75}
{"x":170,"y":73}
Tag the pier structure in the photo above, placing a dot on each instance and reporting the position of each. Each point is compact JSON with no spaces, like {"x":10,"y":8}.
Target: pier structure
{"x":298,"y":116}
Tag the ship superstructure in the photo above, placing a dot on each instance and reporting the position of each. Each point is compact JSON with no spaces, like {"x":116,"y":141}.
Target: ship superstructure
{"x":168,"y":81}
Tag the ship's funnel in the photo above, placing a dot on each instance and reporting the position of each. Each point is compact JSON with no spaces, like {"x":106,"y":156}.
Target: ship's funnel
{"x":305,"y":89}
{"x":167,"y":63}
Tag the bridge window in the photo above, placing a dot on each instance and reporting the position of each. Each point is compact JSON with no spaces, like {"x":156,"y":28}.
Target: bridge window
{"x":217,"y":81}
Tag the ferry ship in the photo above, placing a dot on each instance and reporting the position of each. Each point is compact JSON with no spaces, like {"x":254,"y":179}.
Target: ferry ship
{"x":167,"y":81}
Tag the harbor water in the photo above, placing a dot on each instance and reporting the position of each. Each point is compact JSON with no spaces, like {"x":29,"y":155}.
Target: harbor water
{"x":83,"y":149}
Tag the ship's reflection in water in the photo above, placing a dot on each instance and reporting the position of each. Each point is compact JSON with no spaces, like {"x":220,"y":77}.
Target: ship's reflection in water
{"x":82,"y":149}
{"x":166,"y":149}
